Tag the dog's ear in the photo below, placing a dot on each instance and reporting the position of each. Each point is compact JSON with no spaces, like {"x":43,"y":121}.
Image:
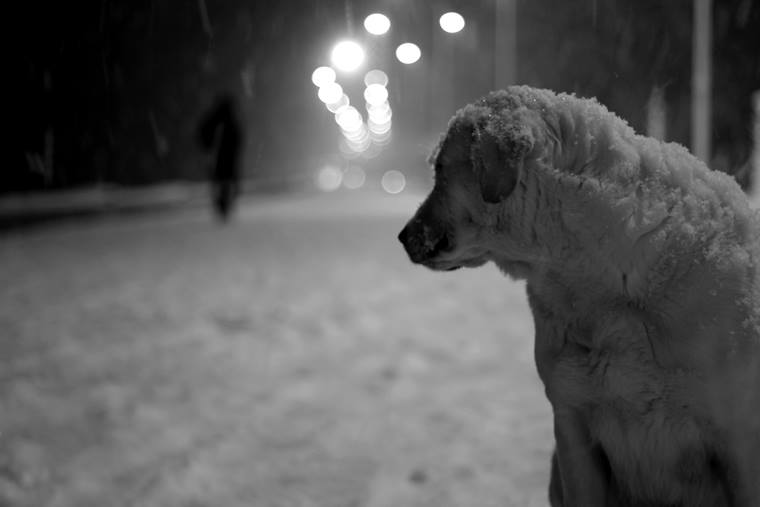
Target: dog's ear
{"x":498,"y":159}
{"x":455,"y":145}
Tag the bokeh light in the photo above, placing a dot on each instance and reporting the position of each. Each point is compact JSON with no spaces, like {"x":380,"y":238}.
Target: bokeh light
{"x":375,"y":94}
{"x":380,"y":138}
{"x":379,"y":128}
{"x":329,"y":178}
{"x":359,"y":142}
{"x":347,"y":56}
{"x":376,"y":76}
{"x":358,"y":138}
{"x":336,"y":106}
{"x":408,"y":53}
{"x":393,"y":181}
{"x":377,"y":24}
{"x":322,"y":76}
{"x":359,"y":135}
{"x":330,"y":93}
{"x":354,"y":177}
{"x":347,"y":151}
{"x":451,"y":22}
{"x":349,"y":119}
{"x":380,"y":113}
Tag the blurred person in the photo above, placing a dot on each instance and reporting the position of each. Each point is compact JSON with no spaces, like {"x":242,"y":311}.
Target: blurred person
{"x":220,"y":131}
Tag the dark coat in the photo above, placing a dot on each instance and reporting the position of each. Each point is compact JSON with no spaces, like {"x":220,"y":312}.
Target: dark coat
{"x":220,"y":128}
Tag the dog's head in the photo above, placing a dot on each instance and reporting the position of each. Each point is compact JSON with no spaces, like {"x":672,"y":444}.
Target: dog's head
{"x":477,"y":164}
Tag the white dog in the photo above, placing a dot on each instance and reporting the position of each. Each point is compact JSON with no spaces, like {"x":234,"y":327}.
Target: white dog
{"x":643,"y":275}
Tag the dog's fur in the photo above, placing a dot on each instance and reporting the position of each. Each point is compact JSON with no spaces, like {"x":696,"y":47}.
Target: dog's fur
{"x":643,"y":275}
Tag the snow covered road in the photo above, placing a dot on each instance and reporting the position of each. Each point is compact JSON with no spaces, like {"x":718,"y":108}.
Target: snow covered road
{"x":294,"y":358}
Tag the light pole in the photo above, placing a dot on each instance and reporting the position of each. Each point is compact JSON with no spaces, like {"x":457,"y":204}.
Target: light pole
{"x":701,"y":79}
{"x":505,"y":44}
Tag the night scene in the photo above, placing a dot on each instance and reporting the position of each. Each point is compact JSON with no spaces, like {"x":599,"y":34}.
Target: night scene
{"x":381,"y":253}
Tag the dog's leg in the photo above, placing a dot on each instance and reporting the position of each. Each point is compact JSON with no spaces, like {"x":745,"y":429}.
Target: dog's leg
{"x":555,"y":484}
{"x":738,"y":478}
{"x":583,"y":476}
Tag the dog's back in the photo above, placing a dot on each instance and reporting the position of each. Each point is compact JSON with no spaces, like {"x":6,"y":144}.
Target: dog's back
{"x":659,"y":357}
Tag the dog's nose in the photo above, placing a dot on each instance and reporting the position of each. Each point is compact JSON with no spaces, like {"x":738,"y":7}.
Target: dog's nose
{"x":421,"y":244}
{"x":403,"y":235}
{"x":412,"y":246}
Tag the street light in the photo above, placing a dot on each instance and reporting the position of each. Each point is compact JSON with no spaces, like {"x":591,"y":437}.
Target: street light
{"x":375,"y":94}
{"x":376,"y":76}
{"x":451,"y":22}
{"x":330,"y":93}
{"x":408,"y":53}
{"x":347,"y":56}
{"x":349,"y":119}
{"x":322,"y":76}
{"x":377,"y":24}
{"x":339,"y":104}
{"x":360,"y":138}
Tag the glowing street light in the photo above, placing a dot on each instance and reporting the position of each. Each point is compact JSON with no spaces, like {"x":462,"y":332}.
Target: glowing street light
{"x":451,"y":22}
{"x":377,"y":24}
{"x":347,"y":56}
{"x":376,"y":76}
{"x":379,"y":113}
{"x":330,"y":93}
{"x":349,"y":119}
{"x":408,"y":53}
{"x":359,"y":138}
{"x":339,"y":104}
{"x":322,"y":76}
{"x":375,"y":94}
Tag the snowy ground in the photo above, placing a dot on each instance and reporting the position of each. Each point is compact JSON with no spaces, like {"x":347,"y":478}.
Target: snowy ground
{"x":295,"y":358}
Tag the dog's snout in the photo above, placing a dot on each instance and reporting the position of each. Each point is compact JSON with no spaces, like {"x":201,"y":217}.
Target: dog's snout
{"x":441,"y":245}
{"x":412,"y":244}
{"x":422,"y":242}
{"x":403,"y":235}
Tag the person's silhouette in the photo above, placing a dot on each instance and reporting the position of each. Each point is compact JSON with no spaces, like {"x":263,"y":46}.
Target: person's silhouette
{"x":220,"y":130}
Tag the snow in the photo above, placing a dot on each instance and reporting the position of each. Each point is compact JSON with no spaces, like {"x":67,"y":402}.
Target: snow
{"x":293,"y":358}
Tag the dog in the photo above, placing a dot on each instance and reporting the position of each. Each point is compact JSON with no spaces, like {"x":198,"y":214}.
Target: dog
{"x":642,"y":269}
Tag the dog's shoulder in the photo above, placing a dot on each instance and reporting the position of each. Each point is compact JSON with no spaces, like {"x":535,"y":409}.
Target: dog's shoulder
{"x":610,"y":372}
